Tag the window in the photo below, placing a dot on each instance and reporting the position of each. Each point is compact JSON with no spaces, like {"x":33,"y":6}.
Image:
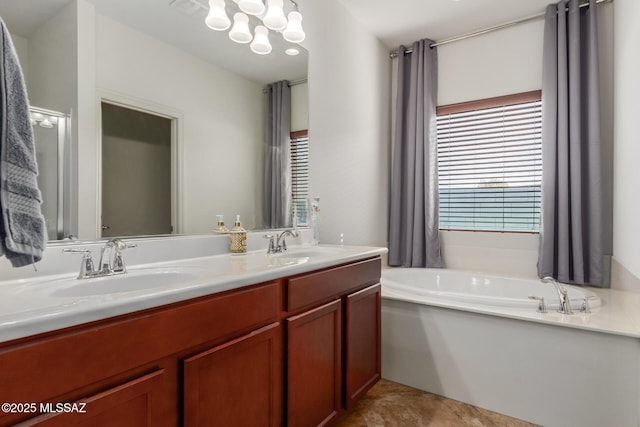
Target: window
{"x":490,"y":164}
{"x":300,"y":174}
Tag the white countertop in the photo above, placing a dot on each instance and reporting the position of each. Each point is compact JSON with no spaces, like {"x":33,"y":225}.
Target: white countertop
{"x":619,"y":313}
{"x":34,"y":305}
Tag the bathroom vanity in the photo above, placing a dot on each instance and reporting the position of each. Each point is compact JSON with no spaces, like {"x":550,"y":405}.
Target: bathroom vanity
{"x":295,"y":349}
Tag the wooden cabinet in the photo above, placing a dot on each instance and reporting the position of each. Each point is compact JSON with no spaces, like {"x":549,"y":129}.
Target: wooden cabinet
{"x":295,"y":351}
{"x":238,"y":383}
{"x":333,"y":348}
{"x":314,"y":366}
{"x":362,"y":338}
{"x":84,"y":362}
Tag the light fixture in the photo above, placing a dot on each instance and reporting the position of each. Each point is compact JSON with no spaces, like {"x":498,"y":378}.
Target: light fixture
{"x":260,"y":44}
{"x":240,"y":31}
{"x":275,"y":19}
{"x":251,"y":7}
{"x":43,"y":120}
{"x":217,"y":18}
{"x":46,"y":118}
{"x":46,"y":123}
{"x":294,"y":33}
{"x":254,"y":13}
{"x":292,"y":51}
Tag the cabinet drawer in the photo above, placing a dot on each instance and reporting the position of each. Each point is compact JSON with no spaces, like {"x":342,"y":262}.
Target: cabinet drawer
{"x":131,"y":404}
{"x":316,"y":288}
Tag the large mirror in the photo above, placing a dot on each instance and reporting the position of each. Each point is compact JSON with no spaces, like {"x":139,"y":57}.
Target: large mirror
{"x":157,"y":57}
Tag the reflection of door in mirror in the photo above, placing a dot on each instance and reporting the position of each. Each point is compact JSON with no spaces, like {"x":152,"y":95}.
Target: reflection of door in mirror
{"x":136,"y":172}
{"x":50,"y":135}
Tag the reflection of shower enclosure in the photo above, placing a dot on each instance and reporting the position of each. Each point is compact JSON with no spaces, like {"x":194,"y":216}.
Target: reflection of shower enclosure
{"x":50,"y":129}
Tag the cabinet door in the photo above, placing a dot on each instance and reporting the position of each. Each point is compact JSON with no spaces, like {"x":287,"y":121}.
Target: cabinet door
{"x":362,"y":343}
{"x":314,"y":366}
{"x":131,"y":404}
{"x":238,"y":383}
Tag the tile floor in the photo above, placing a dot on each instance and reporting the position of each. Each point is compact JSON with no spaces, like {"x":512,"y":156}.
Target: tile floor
{"x":390,"y":404}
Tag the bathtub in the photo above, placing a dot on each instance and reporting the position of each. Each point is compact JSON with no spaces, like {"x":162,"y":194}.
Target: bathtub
{"x":480,"y":339}
{"x":469,"y":287}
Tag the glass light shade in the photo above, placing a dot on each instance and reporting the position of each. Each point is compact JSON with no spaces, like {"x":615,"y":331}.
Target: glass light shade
{"x":294,"y":32}
{"x":217,"y":18}
{"x":275,"y":19}
{"x":240,"y":31}
{"x":37,"y":116}
{"x":252,"y":7}
{"x":260,"y":44}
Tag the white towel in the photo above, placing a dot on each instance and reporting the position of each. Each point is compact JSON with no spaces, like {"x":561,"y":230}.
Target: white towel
{"x":22,"y":227}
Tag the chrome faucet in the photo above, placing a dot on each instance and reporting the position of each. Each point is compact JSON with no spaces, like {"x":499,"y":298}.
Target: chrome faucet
{"x":279,"y":244}
{"x":564,"y":304}
{"x":111,"y":259}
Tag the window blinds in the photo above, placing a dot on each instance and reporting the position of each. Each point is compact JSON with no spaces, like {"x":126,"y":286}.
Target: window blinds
{"x":300,"y":177}
{"x":490,"y":168}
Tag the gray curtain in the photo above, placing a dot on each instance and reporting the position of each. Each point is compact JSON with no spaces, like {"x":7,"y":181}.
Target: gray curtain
{"x":571,"y":245}
{"x":413,"y":216}
{"x":277,"y":157}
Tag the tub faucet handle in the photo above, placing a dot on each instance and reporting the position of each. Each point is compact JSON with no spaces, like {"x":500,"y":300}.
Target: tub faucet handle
{"x":542,"y":307}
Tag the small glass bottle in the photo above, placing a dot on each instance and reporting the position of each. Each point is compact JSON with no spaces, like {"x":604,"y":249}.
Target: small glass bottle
{"x":238,"y":238}
{"x":221,"y":228}
{"x":314,"y":216}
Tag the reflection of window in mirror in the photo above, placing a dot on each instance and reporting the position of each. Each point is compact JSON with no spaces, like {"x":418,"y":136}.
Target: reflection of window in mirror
{"x":136,"y":172}
{"x":300,"y":175}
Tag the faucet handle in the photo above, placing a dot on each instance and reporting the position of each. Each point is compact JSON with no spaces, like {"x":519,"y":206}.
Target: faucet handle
{"x":542,"y":307}
{"x":586,"y":308}
{"x":86,"y":268}
{"x":272,"y":244}
{"x":118,"y":258}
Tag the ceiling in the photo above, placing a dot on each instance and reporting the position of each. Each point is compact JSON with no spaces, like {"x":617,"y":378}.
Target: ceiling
{"x":394,"y":22}
{"x":397,"y":22}
{"x":172,"y":25}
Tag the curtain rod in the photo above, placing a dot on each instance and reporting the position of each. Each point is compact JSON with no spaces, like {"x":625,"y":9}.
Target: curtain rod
{"x":537,"y":16}
{"x":291,"y":83}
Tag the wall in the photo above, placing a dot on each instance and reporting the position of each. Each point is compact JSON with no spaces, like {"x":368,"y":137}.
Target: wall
{"x":348,"y":124}
{"x":498,"y":63}
{"x":222,"y":140}
{"x":52,"y":57}
{"x":22,"y":50}
{"x":626,"y":249}
{"x":82,"y":180}
{"x":300,"y":107}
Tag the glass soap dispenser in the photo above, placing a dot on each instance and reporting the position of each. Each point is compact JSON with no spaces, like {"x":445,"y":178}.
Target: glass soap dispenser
{"x":238,"y":238}
{"x":221,"y":228}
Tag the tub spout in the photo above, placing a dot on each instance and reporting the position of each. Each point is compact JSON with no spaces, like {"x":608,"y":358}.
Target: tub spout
{"x":564,"y":304}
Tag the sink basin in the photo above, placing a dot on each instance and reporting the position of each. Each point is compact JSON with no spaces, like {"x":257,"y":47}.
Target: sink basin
{"x":284,"y":260}
{"x":314,"y":251}
{"x":128,"y":282}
